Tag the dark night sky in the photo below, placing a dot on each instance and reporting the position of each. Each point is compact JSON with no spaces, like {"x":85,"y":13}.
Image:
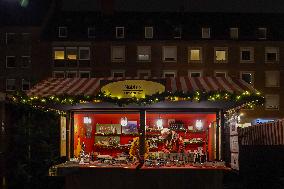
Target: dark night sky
{"x":189,"y":5}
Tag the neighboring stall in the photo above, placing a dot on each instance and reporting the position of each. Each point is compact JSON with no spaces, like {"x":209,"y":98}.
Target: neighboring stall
{"x":145,"y":123}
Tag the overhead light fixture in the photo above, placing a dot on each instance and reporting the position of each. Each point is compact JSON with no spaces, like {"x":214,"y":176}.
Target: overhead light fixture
{"x":199,"y":125}
{"x":123,"y":121}
{"x":159,"y":123}
{"x":87,"y":120}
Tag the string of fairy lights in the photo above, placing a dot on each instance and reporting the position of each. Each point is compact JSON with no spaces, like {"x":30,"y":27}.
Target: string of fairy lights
{"x":246,"y":99}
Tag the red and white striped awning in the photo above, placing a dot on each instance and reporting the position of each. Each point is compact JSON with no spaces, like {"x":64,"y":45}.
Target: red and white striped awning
{"x":263,"y":134}
{"x":91,"y":86}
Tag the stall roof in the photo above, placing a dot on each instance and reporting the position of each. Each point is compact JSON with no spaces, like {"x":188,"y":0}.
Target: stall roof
{"x":91,"y":86}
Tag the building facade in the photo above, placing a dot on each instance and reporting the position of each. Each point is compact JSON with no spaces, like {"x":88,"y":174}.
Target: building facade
{"x":106,"y":43}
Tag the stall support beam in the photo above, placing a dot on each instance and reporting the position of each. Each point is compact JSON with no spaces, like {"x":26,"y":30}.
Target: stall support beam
{"x":142,"y":133}
{"x":68,"y":116}
{"x":2,"y":141}
{"x":223,"y":135}
{"x":217,"y":135}
{"x":72,"y":134}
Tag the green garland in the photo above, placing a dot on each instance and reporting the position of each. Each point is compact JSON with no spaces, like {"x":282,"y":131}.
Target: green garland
{"x":250,"y":99}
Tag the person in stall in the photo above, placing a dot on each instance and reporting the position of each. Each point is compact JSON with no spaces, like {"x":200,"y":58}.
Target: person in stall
{"x":173,"y":142}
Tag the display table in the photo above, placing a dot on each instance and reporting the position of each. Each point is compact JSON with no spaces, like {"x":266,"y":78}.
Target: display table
{"x":134,"y":176}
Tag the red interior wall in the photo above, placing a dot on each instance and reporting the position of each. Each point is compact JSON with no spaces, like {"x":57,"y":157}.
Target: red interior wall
{"x":100,"y":118}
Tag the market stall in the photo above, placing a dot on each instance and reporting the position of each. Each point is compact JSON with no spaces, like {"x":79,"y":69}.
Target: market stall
{"x":143,"y":124}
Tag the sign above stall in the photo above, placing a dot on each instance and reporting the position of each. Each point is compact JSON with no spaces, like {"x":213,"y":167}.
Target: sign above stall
{"x":132,"y":88}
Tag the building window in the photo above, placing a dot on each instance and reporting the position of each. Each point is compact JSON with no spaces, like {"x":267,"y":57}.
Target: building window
{"x":10,"y":61}
{"x":71,"y":74}
{"x":10,"y":38}
{"x":91,"y":32}
{"x":221,"y":54}
{"x":234,"y":33}
{"x":143,"y":73}
{"x":26,"y":38}
{"x":169,"y":74}
{"x":10,"y":84}
{"x":272,"y":102}
{"x":58,"y":74}
{"x":247,"y":77}
{"x":25,"y":85}
{"x":177,"y":32}
{"x":62,"y":32}
{"x":118,"y":73}
{"x":170,"y":54}
{"x":195,"y":73}
{"x":59,"y":53}
{"x":195,"y":54}
{"x":261,"y":33}
{"x":148,"y":32}
{"x":143,"y":53}
{"x":271,"y":54}
{"x":25,"y":61}
{"x":119,"y":32}
{"x":71,"y":53}
{"x":84,"y":53}
{"x":84,"y":74}
{"x":118,"y":53}
{"x":205,"y":33}
{"x":220,"y":74}
{"x":272,"y":78}
{"x":246,"y":54}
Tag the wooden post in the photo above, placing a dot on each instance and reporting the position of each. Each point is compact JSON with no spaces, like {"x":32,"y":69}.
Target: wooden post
{"x":71,"y":134}
{"x":68,"y":135}
{"x":142,"y":133}
{"x":223,"y":135}
{"x":217,"y":135}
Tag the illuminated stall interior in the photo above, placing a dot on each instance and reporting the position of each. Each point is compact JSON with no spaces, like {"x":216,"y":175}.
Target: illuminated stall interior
{"x":111,"y":133}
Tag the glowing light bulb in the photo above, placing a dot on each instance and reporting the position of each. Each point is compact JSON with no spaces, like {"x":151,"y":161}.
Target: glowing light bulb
{"x":159,"y":123}
{"x":87,"y":120}
{"x":123,"y":121}
{"x":199,"y":125}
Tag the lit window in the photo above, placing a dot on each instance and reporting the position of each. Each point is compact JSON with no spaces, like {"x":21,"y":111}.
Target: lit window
{"x":91,"y":32}
{"x":71,"y":74}
{"x":143,"y":73}
{"x":25,"y":85}
{"x":71,"y":53}
{"x":205,"y":33}
{"x":170,"y":53}
{"x":148,"y":32}
{"x":25,"y":61}
{"x":144,"y":53}
{"x":119,"y":32}
{"x":169,"y":74}
{"x":10,"y":84}
{"x":272,"y":102}
{"x":271,"y":54}
{"x":118,"y":73}
{"x":84,"y":74}
{"x":234,"y":33}
{"x":195,"y":73}
{"x":194,"y":54}
{"x":246,"y":54}
{"x":84,"y":53}
{"x":59,"y":54}
{"x":247,"y":77}
{"x":220,"y":74}
{"x":10,"y":61}
{"x":10,"y":38}
{"x":62,"y":31}
{"x":58,"y":74}
{"x":118,"y":53}
{"x":221,"y":55}
{"x":262,"y":33}
{"x":272,"y":78}
{"x":177,"y":32}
